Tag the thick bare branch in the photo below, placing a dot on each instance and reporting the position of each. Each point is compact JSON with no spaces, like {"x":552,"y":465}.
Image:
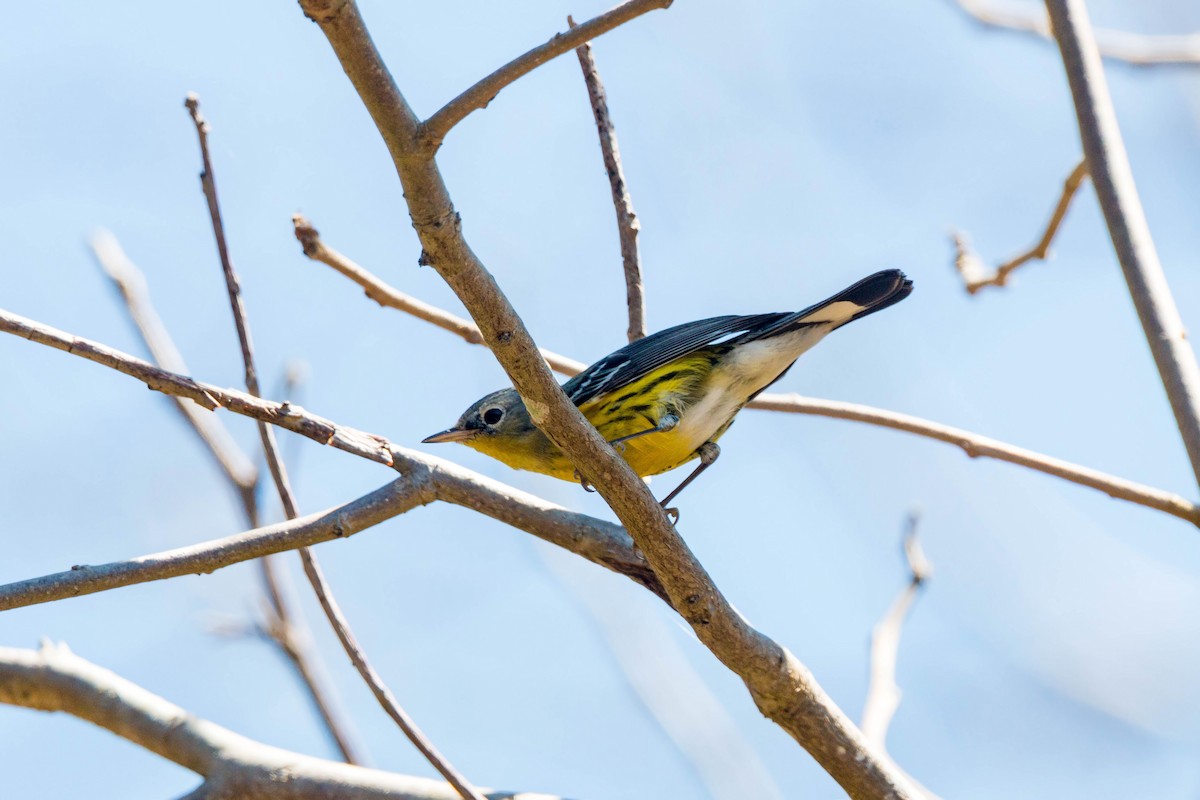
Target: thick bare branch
{"x":390,"y":297}
{"x":280,"y":626}
{"x":883,"y":693}
{"x":483,"y":92}
{"x":426,"y":479}
{"x":1109,"y":167}
{"x":971,"y":268}
{"x":312,"y":568}
{"x":1135,"y":48}
{"x":234,"y":767}
{"x":780,"y":685}
{"x":627,"y":221}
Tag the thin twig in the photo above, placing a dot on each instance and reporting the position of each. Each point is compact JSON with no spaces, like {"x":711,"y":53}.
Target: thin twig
{"x":973,"y":444}
{"x":971,"y":268}
{"x":284,"y":415}
{"x":390,"y":297}
{"x":278,"y":469}
{"x":1134,"y":48}
{"x":1109,"y":167}
{"x":478,"y":96}
{"x":627,"y":221}
{"x":281,"y":625}
{"x":883,"y":694}
{"x":55,"y":679}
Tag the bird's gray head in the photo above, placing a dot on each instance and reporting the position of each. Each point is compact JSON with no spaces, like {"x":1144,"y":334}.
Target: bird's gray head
{"x":499,"y":415}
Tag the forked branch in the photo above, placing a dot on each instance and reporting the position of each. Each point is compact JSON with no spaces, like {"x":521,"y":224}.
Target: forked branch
{"x":434,"y":130}
{"x":976,"y":276}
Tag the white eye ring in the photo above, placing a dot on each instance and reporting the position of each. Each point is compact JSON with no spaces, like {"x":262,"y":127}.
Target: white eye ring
{"x":492,"y":416}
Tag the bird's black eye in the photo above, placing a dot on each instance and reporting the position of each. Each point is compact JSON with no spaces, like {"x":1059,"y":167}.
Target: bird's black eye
{"x":493,"y":415}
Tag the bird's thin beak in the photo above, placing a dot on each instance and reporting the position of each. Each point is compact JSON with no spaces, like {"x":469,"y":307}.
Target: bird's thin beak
{"x":451,"y":435}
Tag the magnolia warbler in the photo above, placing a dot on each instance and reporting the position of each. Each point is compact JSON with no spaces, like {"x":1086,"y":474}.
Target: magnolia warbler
{"x":665,"y":399}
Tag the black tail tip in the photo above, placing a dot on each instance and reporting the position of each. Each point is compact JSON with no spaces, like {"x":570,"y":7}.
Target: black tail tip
{"x":879,"y":290}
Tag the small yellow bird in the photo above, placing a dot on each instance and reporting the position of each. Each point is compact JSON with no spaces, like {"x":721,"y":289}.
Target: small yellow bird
{"x":664,"y":400}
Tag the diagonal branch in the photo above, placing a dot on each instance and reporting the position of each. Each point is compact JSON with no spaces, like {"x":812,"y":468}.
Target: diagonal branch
{"x":483,"y":92}
{"x":312,"y":568}
{"x":627,"y":221}
{"x":283,"y":415}
{"x":1135,"y":48}
{"x":782,"y":687}
{"x":234,"y":767}
{"x":281,"y":626}
{"x":427,"y":479}
{"x":973,"y":444}
{"x":1109,"y":167}
{"x":971,"y":268}
{"x":390,"y":297}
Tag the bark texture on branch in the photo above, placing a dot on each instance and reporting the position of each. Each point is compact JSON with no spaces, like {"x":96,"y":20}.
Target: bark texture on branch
{"x":234,"y":767}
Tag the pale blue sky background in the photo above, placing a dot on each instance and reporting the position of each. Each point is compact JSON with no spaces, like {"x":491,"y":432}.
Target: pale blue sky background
{"x":776,"y":152}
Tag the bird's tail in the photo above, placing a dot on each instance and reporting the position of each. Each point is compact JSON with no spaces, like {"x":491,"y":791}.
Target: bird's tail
{"x":871,"y":294}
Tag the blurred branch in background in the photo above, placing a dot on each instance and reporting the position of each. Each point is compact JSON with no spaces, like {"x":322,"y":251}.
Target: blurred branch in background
{"x":883,"y":693}
{"x":627,"y":221}
{"x":669,"y":687}
{"x":53,"y":678}
{"x":970,"y":267}
{"x":1108,"y":164}
{"x":1134,"y":48}
{"x":280,"y":625}
{"x":973,"y":444}
{"x":312,"y":568}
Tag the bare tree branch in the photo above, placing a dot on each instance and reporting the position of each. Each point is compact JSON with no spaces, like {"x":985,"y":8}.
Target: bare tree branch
{"x":281,"y":626}
{"x":977,"y":446}
{"x":1134,"y":48}
{"x":427,"y":479}
{"x":312,"y":568}
{"x":782,"y":687}
{"x":390,"y":297}
{"x":627,"y":221}
{"x":1108,"y":165}
{"x":973,"y":444}
{"x":483,"y":92}
{"x":883,"y":694}
{"x":284,"y":415}
{"x":971,"y":268}
{"x":234,"y":767}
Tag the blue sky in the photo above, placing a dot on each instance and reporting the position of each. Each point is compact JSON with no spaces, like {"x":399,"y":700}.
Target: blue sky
{"x":775,"y":154}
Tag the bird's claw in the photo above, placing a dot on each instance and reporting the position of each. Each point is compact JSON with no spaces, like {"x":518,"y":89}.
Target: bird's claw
{"x":587,"y":487}
{"x":673,"y":515}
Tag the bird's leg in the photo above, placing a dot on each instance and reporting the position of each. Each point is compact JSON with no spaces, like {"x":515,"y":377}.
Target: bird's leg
{"x":667,"y":423}
{"x":708,"y":454}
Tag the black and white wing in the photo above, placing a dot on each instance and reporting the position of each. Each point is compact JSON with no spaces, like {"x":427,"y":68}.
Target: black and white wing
{"x":647,"y":354}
